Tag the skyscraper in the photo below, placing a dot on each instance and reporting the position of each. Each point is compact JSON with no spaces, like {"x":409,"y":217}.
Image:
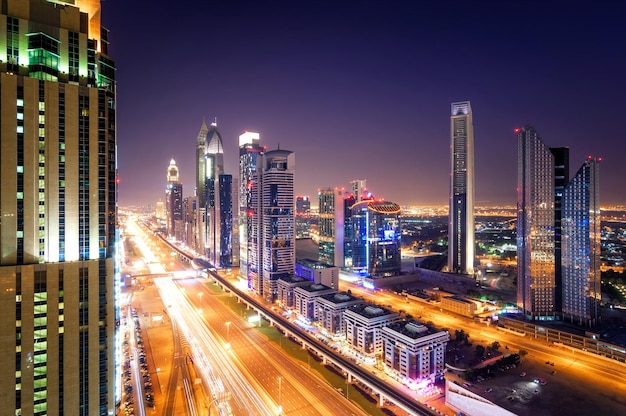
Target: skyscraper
{"x":581,"y":245}
{"x":359,"y":187}
{"x":536,"y":287}
{"x":461,"y":212}
{"x":250,"y":152}
{"x":331,"y":226}
{"x":276,"y":219}
{"x":303,"y":216}
{"x":214,"y":167}
{"x":174,"y":202}
{"x":59,"y":210}
{"x":225,"y":221}
{"x":376,"y":238}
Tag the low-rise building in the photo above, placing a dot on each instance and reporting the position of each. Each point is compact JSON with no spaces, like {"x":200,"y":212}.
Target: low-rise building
{"x":363,"y":327}
{"x":330,"y":310}
{"x":318,"y":272}
{"x":460,"y":305}
{"x":304,"y":299}
{"x":414,"y":351}
{"x":285,"y":287}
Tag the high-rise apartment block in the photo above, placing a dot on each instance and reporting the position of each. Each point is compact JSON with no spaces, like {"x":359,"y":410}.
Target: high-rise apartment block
{"x":461,"y":211}
{"x":59,"y":210}
{"x":331,"y":226}
{"x":276,"y":219}
{"x":250,"y":153}
{"x":558,"y":234}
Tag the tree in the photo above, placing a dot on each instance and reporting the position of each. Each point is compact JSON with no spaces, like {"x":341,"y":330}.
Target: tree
{"x":495,"y":346}
{"x":522,"y":353}
{"x":480,"y":351}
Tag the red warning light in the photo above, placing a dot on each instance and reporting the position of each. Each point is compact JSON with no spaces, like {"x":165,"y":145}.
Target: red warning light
{"x":517,"y":129}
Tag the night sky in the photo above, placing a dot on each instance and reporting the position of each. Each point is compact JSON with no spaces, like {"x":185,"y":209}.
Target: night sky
{"x":362,"y":89}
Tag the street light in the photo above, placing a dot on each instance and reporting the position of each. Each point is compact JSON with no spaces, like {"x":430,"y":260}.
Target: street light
{"x":227,"y":329}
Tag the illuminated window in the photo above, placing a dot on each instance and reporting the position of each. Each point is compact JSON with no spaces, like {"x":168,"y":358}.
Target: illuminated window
{"x":20,"y":195}
{"x":20,"y":129}
{"x":20,"y":116}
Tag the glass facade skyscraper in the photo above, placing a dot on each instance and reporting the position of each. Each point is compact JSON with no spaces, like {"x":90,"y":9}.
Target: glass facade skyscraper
{"x":461,"y":212}
{"x":58,"y":200}
{"x":581,"y":245}
{"x":558,"y":234}
{"x":535,"y":227}
{"x":376,"y":238}
{"x":250,"y":153}
{"x":331,"y":226}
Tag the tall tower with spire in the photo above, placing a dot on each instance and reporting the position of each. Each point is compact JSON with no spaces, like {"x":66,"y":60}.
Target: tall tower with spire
{"x":174,"y":202}
{"x":214,"y":167}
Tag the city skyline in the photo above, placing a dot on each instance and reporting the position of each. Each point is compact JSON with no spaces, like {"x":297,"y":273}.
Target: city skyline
{"x":338,"y":85}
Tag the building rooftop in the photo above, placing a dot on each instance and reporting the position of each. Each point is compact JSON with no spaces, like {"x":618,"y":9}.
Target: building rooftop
{"x":341,"y":297}
{"x":412,"y":329}
{"x":316,"y":287}
{"x":313,"y":264}
{"x":295,"y":279}
{"x":371,"y":311}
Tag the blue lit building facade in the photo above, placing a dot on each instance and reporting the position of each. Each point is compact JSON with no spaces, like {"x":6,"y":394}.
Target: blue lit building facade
{"x":376,"y":232}
{"x":581,"y":245}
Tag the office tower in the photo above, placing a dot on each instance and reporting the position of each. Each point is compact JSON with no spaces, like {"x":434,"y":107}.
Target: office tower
{"x":190,"y":222}
{"x":359,"y":188}
{"x":348,"y":202}
{"x":461,"y":212}
{"x":174,"y":202}
{"x":303,"y":216}
{"x":581,"y":245}
{"x":58,"y":232}
{"x":561,"y":178}
{"x":535,"y":226}
{"x":214,"y":167}
{"x":276,"y":219}
{"x":331,"y":226}
{"x":376,"y":238}
{"x":225,"y":221}
{"x":201,"y":164}
{"x":250,"y":152}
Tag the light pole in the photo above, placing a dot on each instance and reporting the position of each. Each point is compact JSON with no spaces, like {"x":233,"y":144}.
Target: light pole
{"x":227,"y":329}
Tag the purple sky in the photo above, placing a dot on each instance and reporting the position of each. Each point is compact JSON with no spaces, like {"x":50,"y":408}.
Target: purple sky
{"x":362,"y":90}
